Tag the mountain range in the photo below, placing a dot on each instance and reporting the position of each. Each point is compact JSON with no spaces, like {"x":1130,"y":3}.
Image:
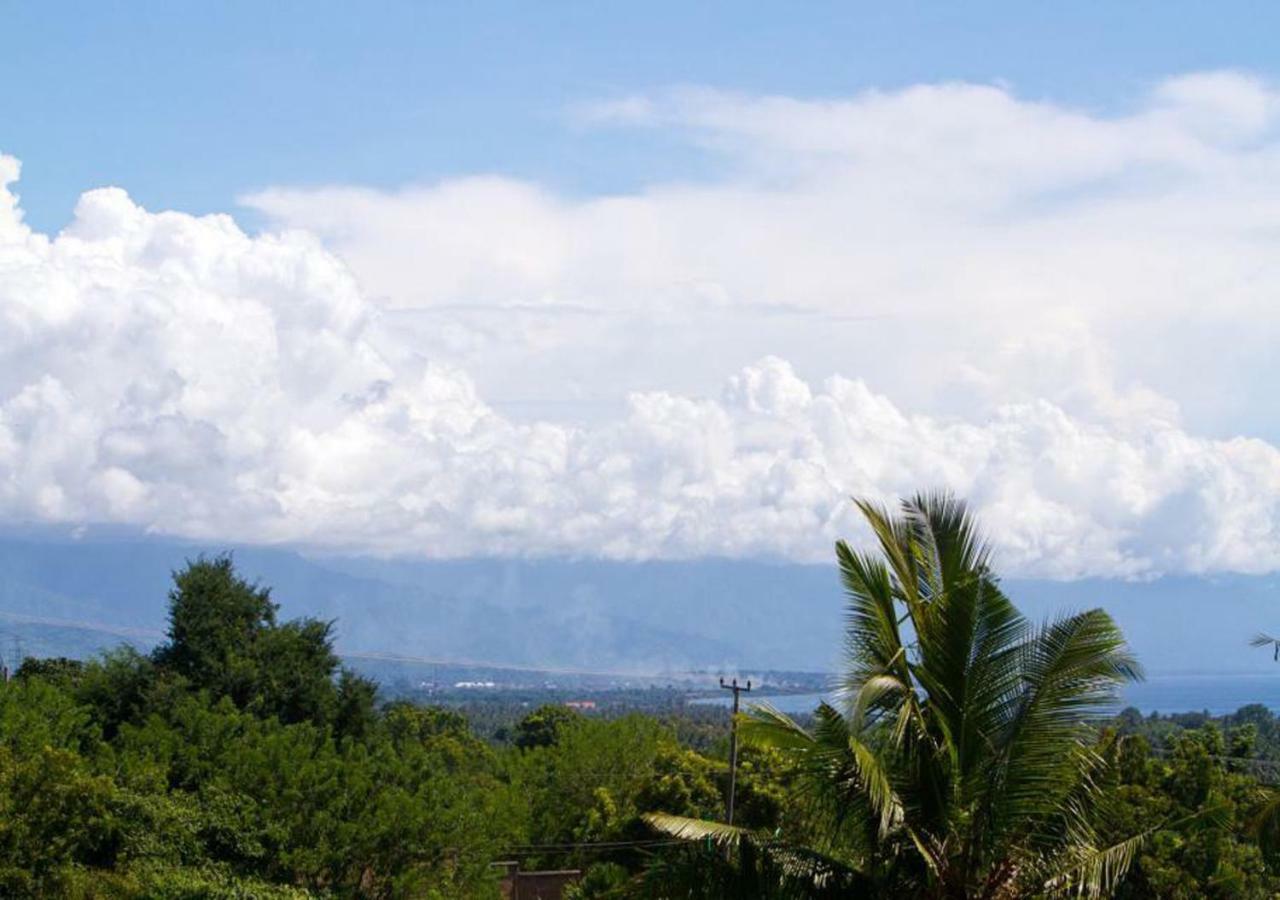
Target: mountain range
{"x":60,"y":595}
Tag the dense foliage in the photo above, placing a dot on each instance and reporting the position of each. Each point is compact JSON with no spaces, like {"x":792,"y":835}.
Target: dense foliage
{"x":965,"y":761}
{"x":240,"y":760}
{"x":237,"y":760}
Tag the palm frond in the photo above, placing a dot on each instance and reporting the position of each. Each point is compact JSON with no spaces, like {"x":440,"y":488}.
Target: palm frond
{"x":877,"y":784}
{"x":1097,"y":872}
{"x":1100,"y":871}
{"x":1264,"y":826}
{"x":1072,"y":670}
{"x":874,"y":646}
{"x":689,"y":829}
{"x":873,"y":640}
{"x":807,"y":867}
{"x":894,"y":536}
{"x":875,"y":693}
{"x":784,"y":870}
{"x":948,"y":543}
{"x":765,"y":725}
{"x":969,"y":667}
{"x":1261,"y":639}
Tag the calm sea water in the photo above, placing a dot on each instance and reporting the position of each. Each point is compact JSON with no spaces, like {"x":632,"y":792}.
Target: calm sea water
{"x":1216,"y":694}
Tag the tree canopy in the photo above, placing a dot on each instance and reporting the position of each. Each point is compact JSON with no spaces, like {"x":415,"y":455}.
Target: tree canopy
{"x":969,"y":754}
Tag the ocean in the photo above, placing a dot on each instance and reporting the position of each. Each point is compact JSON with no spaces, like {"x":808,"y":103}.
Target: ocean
{"x":1216,"y":694}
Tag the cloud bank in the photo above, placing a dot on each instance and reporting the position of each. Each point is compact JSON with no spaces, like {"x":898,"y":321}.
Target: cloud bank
{"x":933,"y":240}
{"x":1067,"y":317}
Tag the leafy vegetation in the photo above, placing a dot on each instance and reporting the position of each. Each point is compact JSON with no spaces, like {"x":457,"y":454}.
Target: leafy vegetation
{"x":966,"y":763}
{"x":240,"y":760}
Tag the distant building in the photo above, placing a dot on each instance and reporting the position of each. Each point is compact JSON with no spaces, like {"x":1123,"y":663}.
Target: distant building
{"x":581,"y":705}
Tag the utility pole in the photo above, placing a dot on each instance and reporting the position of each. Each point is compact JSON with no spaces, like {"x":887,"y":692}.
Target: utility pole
{"x":733,"y":739}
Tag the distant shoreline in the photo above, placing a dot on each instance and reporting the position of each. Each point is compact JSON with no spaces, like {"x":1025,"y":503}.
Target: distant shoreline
{"x":1217,"y":693}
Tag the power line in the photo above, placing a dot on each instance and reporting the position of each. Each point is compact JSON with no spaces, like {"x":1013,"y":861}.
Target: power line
{"x":591,"y":845}
{"x":118,"y":630}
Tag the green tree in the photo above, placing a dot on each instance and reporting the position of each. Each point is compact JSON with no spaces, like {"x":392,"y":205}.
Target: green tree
{"x":682,"y":782}
{"x":591,"y":783}
{"x":602,"y":881}
{"x":216,"y":623}
{"x":1205,"y":847}
{"x":118,"y":687}
{"x":387,"y":816}
{"x":963,"y":764}
{"x":55,"y":668}
{"x":239,"y":761}
{"x":224,"y":638}
{"x":55,"y":816}
{"x":542,"y":727}
{"x":356,"y":707}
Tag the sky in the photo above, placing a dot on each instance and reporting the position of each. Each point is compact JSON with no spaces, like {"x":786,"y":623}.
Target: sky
{"x":666,"y":281}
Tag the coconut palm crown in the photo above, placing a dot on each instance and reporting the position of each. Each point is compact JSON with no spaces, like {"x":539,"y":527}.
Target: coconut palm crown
{"x":958,"y":761}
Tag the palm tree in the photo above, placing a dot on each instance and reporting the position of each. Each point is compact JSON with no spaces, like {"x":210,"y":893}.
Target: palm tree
{"x":1262,"y":639}
{"x":961,"y":761}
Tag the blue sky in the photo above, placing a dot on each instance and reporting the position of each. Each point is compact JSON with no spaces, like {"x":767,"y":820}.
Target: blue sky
{"x":190,"y":105}
{"x":650,"y":281}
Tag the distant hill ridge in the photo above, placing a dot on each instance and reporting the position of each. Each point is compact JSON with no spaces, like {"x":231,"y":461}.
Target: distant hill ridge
{"x":649,"y":616}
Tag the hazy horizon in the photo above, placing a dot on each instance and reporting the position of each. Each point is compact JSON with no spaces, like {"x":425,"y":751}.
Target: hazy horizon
{"x":343,"y":287}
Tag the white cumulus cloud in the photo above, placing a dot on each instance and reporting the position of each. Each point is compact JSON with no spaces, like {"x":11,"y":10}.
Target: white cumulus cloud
{"x":920,"y":237}
{"x":1065,"y":316}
